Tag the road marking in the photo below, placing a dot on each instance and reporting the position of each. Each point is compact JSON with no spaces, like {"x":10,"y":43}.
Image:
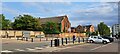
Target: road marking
{"x":19,"y":50}
{"x":7,"y":51}
{"x":100,"y":46}
{"x":70,"y":47}
{"x":30,"y":49}
{"x":38,"y":48}
{"x":47,"y":47}
{"x":73,"y":46}
{"x":96,"y":48}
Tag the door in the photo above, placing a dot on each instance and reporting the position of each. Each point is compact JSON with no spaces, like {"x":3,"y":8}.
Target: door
{"x":99,"y":39}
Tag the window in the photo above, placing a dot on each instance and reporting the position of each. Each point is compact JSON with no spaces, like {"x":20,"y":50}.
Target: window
{"x":95,"y":37}
{"x":99,"y":38}
{"x":91,"y":36}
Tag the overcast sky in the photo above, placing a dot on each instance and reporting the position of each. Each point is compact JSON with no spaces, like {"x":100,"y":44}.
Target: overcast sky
{"x":82,"y":13}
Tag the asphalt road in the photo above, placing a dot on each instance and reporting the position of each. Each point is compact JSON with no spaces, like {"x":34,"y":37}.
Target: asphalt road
{"x":16,"y":46}
{"x":92,"y":47}
{"x":19,"y":45}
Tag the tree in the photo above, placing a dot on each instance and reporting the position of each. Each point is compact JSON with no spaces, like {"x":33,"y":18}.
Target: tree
{"x":103,"y":29}
{"x":95,"y":33}
{"x":26,"y":22}
{"x":5,"y":23}
{"x":88,"y":33}
{"x":50,"y":28}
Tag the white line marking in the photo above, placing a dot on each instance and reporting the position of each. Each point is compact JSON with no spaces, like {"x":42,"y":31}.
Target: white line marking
{"x":7,"y":51}
{"x":30,"y":49}
{"x":100,"y":46}
{"x":96,"y":48}
{"x":74,"y":46}
{"x":48,"y":47}
{"x":19,"y":50}
{"x":38,"y":48}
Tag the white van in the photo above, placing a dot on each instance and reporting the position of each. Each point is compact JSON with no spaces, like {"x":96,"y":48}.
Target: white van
{"x":98,"y":39}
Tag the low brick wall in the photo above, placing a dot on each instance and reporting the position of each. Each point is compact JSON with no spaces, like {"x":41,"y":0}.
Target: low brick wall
{"x":62,"y":35}
{"x":2,"y":33}
{"x":17,"y":33}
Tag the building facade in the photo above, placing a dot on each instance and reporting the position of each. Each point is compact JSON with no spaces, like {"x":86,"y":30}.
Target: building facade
{"x":62,"y":22}
{"x":115,"y":29}
{"x":87,"y":28}
{"x":79,"y":29}
{"x":73,"y":29}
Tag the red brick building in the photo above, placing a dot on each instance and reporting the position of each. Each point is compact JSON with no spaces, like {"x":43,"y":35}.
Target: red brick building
{"x":62,"y":22}
{"x":87,"y":28}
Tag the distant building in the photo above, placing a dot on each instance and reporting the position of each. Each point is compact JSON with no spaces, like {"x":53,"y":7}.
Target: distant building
{"x":87,"y":28}
{"x":115,"y":29}
{"x":62,"y":22}
{"x":79,"y":29}
{"x":73,"y":29}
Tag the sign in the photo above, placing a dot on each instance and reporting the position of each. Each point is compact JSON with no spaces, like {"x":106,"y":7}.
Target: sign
{"x":26,"y":34}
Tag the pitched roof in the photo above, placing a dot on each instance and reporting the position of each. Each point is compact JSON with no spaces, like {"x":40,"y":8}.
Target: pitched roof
{"x":79,"y":26}
{"x":87,"y":26}
{"x":72,"y":27}
{"x":56,"y":19}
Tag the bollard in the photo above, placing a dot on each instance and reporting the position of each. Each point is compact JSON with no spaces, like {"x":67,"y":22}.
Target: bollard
{"x":40,"y":38}
{"x":31,"y":39}
{"x":46,"y":38}
{"x":22,"y":39}
{"x":56,"y":42}
{"x":83,"y":39}
{"x":66,"y":40}
{"x":51,"y":42}
{"x":62,"y":40}
{"x":69,"y":39}
{"x":73,"y":41}
{"x":26,"y":39}
{"x":78,"y":39}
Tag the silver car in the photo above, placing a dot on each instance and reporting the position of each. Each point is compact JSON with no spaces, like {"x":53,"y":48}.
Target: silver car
{"x":98,"y":39}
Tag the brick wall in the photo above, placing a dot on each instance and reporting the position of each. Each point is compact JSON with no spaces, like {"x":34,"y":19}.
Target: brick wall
{"x":63,"y":35}
{"x":14,"y":33}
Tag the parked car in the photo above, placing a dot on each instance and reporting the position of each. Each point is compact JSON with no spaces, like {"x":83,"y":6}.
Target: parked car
{"x":98,"y":39}
{"x":108,"y":37}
